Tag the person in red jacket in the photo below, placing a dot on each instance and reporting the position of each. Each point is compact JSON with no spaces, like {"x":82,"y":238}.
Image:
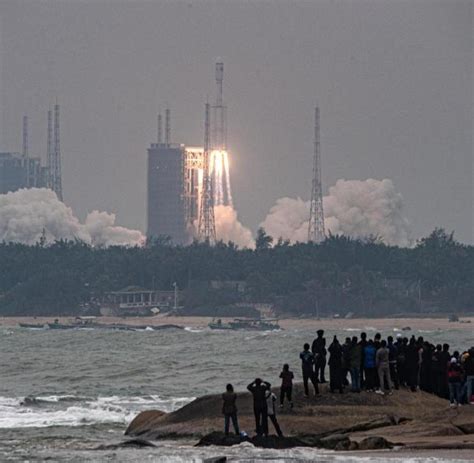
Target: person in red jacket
{"x":454,"y":382}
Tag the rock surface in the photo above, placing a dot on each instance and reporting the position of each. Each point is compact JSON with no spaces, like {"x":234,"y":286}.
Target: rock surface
{"x":417,"y":420}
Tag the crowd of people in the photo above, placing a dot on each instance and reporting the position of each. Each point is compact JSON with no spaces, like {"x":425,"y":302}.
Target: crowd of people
{"x":374,"y":365}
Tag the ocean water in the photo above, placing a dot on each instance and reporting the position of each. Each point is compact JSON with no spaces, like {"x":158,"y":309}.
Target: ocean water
{"x":65,"y":395}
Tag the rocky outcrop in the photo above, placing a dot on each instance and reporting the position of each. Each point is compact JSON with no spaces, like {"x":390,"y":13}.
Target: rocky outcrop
{"x":374,"y":443}
{"x":338,"y":421}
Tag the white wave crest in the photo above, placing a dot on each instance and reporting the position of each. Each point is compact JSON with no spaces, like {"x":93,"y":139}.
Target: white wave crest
{"x":46,"y":411}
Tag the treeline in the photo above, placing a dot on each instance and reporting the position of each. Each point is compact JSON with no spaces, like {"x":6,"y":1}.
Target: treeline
{"x":339,"y":275}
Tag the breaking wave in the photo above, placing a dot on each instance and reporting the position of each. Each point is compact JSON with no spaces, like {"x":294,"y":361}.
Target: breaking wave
{"x":68,"y":410}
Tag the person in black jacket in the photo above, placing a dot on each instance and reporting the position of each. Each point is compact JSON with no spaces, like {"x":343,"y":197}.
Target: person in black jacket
{"x":319,"y":351}
{"x":412,"y":364}
{"x":258,"y":389}
{"x":229,"y":409}
{"x":307,"y":365}
{"x":335,"y":366}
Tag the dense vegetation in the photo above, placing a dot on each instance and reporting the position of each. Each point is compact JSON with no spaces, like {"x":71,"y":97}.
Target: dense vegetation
{"x":337,"y":276}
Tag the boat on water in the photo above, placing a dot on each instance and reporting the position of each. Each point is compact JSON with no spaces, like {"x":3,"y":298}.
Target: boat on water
{"x":249,"y":324}
{"x":38,"y":326}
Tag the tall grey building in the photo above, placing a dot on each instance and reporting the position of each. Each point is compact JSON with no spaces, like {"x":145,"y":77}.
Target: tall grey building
{"x":20,"y":171}
{"x":166,"y":208}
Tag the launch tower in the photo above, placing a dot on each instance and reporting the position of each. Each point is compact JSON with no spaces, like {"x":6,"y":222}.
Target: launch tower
{"x":316,"y":232}
{"x":206,"y":225}
{"x":54,"y":153}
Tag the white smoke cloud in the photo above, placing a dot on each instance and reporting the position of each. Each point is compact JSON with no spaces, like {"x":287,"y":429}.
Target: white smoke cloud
{"x":229,"y":228}
{"x":25,"y":213}
{"x":353,"y":208}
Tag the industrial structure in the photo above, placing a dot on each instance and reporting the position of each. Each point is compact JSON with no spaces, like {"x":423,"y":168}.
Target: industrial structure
{"x":20,"y":170}
{"x":165,"y":198}
{"x":316,"y":232}
{"x":207,"y":226}
{"x":186,"y":182}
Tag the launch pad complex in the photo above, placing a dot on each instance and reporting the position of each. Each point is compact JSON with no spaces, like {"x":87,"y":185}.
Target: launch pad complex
{"x":186,"y":183}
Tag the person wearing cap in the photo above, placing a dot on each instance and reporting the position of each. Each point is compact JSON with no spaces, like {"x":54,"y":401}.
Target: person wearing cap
{"x":258,"y":389}
{"x":454,"y":382}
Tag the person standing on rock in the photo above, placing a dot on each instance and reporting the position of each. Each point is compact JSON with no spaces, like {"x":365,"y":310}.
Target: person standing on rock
{"x":412,"y":364}
{"x":355,"y":359}
{"x":335,"y":366}
{"x":258,"y":388}
{"x":469,"y":372}
{"x":319,"y":351}
{"x":286,"y":389}
{"x":393,"y":354}
{"x":454,"y":382}
{"x":271,"y":399}
{"x":382,"y":359}
{"x":370,"y":367}
{"x":229,"y":409}
{"x":307,"y":365}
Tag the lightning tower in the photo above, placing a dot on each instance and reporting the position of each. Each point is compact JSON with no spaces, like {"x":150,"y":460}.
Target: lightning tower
{"x":206,"y":223}
{"x":316,"y":232}
{"x":57,"y":184}
{"x":50,"y":153}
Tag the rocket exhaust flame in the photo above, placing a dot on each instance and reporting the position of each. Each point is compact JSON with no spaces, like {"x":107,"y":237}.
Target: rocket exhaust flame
{"x":219,"y":167}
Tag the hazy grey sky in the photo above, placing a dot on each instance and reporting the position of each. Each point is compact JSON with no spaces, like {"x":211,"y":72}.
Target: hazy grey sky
{"x":394,"y":80}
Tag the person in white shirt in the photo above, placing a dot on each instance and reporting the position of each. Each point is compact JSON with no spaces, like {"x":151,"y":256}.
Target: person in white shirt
{"x":271,"y":399}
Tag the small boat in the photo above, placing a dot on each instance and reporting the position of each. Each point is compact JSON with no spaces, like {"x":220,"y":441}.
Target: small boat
{"x":60,"y":326}
{"x":218,"y":325}
{"x":37,"y":326}
{"x":250,"y":324}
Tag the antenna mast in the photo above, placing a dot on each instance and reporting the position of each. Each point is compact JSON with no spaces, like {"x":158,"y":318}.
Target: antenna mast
{"x":206,"y":225}
{"x":25,"y":150}
{"x":167,"y":127}
{"x":316,"y":232}
{"x":160,"y":129}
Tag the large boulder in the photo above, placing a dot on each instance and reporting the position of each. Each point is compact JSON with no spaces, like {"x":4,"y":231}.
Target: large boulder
{"x":219,"y":438}
{"x":143,"y":422}
{"x":374,"y":443}
{"x":270,"y":442}
{"x":335,"y":440}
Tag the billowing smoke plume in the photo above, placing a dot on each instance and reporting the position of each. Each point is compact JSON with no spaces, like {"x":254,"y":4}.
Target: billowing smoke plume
{"x":353,"y":208}
{"x":229,"y":228}
{"x":24,"y":215}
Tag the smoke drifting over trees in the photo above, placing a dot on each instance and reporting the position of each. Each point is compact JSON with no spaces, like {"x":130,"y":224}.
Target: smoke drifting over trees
{"x":229,"y":228}
{"x":26,"y":214}
{"x":353,"y":208}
